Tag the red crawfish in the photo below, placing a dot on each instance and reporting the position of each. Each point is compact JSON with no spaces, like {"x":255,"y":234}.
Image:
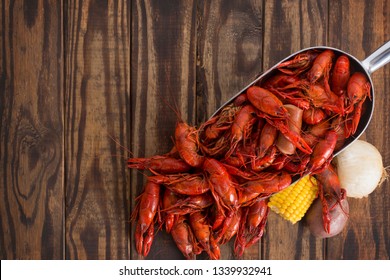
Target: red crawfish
{"x":321,"y":66}
{"x":323,"y":152}
{"x":298,"y":64}
{"x":201,"y":229}
{"x":189,"y":204}
{"x":187,"y":145}
{"x":230,"y":228}
{"x":287,"y":88}
{"x":185,"y":239}
{"x":187,"y":184}
{"x":252,"y":225}
{"x":329,"y":191}
{"x":221,"y":184}
{"x":321,"y":98}
{"x":241,"y":127}
{"x":358,"y":89}
{"x":263,"y":188}
{"x":145,"y":213}
{"x":267,"y":138}
{"x":313,"y":115}
{"x":160,"y":164}
{"x":273,"y":110}
{"x":169,"y":199}
{"x":340,"y":75}
{"x":266,"y":102}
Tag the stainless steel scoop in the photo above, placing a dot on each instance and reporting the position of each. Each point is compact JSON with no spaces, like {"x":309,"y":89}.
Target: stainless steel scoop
{"x":376,"y":60}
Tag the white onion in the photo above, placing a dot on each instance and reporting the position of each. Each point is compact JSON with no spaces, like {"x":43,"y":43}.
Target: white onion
{"x":360,"y":169}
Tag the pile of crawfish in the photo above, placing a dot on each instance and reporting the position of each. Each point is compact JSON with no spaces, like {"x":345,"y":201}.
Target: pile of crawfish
{"x":214,"y":184}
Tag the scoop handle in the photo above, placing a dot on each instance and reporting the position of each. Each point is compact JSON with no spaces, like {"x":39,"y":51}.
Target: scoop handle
{"x":377,"y":59}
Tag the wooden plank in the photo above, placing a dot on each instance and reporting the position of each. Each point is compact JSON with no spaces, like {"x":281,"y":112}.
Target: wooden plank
{"x":230,"y":43}
{"x":97,"y":108}
{"x":367,"y":233}
{"x":230,"y":39}
{"x":289,"y":27}
{"x":163,"y":56}
{"x":31,"y":130}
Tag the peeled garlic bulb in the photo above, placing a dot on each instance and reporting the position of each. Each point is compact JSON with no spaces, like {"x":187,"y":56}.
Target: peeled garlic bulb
{"x":360,"y":169}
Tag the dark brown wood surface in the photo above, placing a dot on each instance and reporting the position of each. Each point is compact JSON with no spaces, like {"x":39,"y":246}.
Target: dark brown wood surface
{"x":86,"y":84}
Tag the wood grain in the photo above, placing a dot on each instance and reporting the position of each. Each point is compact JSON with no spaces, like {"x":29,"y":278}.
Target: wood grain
{"x":97,"y":102}
{"x":162,"y":82}
{"x":367,"y":235}
{"x":229,"y":48}
{"x":31,"y":147}
{"x":289,"y":27}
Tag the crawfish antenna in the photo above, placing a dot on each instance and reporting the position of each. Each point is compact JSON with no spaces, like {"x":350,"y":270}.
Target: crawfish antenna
{"x":120,"y":145}
{"x":174,"y":107}
{"x":176,"y":110}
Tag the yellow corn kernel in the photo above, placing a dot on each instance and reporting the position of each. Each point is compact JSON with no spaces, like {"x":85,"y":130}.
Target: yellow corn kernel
{"x":293,"y":202}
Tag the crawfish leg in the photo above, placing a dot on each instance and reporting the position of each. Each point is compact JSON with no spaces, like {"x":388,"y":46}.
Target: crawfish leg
{"x":258,"y":232}
{"x":325,"y":210}
{"x":293,"y":136}
{"x":351,"y":125}
{"x":215,"y":252}
{"x":183,"y":237}
{"x":225,"y":225}
{"x":240,"y":241}
{"x":266,"y":102}
{"x":146,"y":211}
{"x":139,"y":238}
{"x":148,"y":240}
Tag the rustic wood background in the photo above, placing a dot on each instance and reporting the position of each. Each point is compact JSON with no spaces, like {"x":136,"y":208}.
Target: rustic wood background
{"x":74,"y":75}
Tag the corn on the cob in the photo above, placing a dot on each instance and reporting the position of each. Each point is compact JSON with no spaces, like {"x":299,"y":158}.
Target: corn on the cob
{"x":293,"y":202}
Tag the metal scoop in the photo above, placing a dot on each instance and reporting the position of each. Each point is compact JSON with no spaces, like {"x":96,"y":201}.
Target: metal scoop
{"x":376,"y":60}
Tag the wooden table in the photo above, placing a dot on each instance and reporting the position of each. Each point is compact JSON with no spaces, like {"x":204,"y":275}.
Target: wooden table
{"x":78,"y":78}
